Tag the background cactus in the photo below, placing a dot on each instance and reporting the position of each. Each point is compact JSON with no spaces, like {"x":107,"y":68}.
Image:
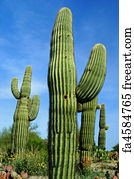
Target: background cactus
{"x":63,"y":95}
{"x":103,"y":127}
{"x":26,"y":111}
{"x":87,"y":128}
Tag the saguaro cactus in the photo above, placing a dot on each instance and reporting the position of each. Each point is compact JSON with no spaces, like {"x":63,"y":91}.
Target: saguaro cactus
{"x":63,"y":103}
{"x":26,"y":111}
{"x":63,"y":94}
{"x":103,"y":127}
{"x":87,"y":128}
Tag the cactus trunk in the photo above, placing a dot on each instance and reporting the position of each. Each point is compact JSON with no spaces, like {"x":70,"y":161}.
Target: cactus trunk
{"x":63,"y":103}
{"x":87,"y":128}
{"x":103,"y":127}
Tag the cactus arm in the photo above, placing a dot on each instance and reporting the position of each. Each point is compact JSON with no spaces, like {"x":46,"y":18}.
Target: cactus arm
{"x":34,"y":108}
{"x":26,"y":85}
{"x":107,"y":127}
{"x":94,"y":75}
{"x":14,"y":88}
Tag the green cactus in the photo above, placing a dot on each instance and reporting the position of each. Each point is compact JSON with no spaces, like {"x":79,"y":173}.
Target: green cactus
{"x":63,"y":95}
{"x":94,"y":75}
{"x":103,"y":127}
{"x":26,"y":111}
{"x":87,"y":128}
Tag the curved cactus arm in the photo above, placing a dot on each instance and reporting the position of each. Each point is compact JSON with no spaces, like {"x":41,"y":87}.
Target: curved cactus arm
{"x":14,"y":88}
{"x":34,"y":108}
{"x":94,"y":75}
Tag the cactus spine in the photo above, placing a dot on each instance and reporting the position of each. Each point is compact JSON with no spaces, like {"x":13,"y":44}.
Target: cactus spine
{"x":26,"y":111}
{"x":63,"y":95}
{"x":103,"y":127}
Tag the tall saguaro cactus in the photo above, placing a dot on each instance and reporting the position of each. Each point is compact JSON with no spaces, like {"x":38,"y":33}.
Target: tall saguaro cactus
{"x":26,"y":111}
{"x":87,"y":128}
{"x":63,"y":102}
{"x":64,"y":94}
{"x":103,"y":127}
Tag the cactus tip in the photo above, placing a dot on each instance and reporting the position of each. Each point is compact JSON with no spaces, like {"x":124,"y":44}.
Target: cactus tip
{"x":65,"y":9}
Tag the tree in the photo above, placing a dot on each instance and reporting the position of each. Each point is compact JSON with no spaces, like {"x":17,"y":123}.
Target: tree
{"x":116,"y":148}
{"x":5,"y":139}
{"x":35,"y":142}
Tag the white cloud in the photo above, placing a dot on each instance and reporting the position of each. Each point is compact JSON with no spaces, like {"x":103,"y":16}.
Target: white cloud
{"x":38,"y":87}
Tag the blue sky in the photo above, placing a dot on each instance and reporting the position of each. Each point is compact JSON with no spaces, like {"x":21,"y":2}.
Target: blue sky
{"x":25,"y":35}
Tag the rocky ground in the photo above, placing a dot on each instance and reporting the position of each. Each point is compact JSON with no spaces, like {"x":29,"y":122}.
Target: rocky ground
{"x":8,"y":172}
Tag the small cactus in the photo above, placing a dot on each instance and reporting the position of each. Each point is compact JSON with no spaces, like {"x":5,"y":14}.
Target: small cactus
{"x":103,"y":128}
{"x":26,"y":111}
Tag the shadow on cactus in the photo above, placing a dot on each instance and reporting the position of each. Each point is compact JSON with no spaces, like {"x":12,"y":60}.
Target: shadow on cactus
{"x":26,"y":111}
{"x":64,"y":94}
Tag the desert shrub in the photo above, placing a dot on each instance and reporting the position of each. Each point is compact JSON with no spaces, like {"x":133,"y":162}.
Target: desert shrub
{"x":114,"y":156}
{"x":35,"y":142}
{"x":87,"y":171}
{"x":33,"y":163}
{"x":100,"y":154}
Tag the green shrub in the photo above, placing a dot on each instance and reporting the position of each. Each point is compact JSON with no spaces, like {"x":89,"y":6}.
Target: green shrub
{"x":86,"y":170}
{"x":100,"y":154}
{"x":90,"y":172}
{"x":35,"y":143}
{"x":116,"y":148}
{"x":33,"y":163}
